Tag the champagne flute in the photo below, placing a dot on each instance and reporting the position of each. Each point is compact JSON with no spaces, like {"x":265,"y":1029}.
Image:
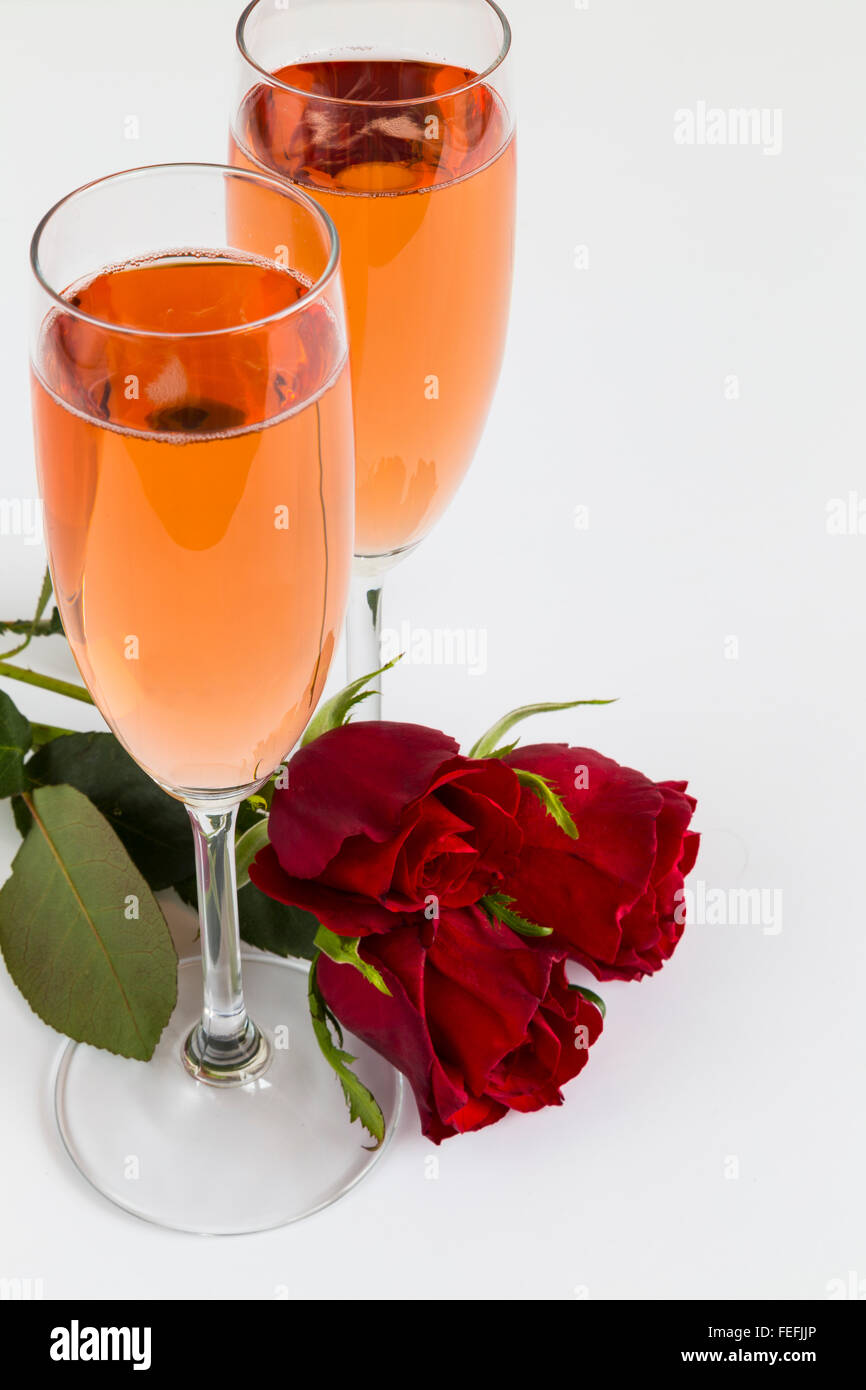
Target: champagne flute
{"x":193,"y":428}
{"x":396,"y":116}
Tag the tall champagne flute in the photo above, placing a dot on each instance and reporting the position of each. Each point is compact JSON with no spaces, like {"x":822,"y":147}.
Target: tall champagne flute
{"x":396,"y":115}
{"x":192,"y":415}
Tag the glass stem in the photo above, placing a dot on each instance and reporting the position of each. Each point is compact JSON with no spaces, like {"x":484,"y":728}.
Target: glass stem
{"x":363,"y":639}
{"x":225,"y":1048}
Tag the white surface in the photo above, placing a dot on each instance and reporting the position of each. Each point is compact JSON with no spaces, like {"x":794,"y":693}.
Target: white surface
{"x":185,"y":1146}
{"x":707,"y":520}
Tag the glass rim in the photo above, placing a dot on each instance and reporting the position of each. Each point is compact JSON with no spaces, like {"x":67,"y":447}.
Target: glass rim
{"x":280,"y":186}
{"x":504,"y":50}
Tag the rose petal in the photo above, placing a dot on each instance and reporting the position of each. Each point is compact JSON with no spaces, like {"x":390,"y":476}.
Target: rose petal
{"x":346,"y":914}
{"x":482,"y":987}
{"x":355,"y":780}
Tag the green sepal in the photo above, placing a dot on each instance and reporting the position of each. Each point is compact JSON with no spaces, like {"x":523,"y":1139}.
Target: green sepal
{"x":484,"y":746}
{"x":362,"y":1103}
{"x":343,"y":950}
{"x":550,"y":800}
{"x":247,"y":847}
{"x":335,"y":712}
{"x":496,"y":905}
{"x":592,"y":997}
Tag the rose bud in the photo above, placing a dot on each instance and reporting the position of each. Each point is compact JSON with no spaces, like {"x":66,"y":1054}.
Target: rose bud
{"x":478,"y":1021}
{"x":381,"y":818}
{"x":612,"y":896}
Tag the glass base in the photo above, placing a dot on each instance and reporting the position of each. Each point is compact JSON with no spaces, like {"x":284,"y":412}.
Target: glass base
{"x":219,"y":1160}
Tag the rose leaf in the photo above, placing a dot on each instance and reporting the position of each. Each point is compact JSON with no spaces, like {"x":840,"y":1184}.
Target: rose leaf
{"x":152,"y":825}
{"x":15,"y":739}
{"x":81,"y":933}
{"x":274,"y":926}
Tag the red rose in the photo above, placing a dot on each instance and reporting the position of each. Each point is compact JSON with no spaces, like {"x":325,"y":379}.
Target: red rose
{"x":382,"y":818}
{"x":479,"y":1022}
{"x":611,"y":895}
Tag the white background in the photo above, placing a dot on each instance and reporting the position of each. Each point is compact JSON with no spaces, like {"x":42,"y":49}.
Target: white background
{"x":707,"y":520}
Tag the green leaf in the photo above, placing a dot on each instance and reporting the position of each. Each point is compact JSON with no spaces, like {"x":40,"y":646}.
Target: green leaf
{"x":550,"y":800}
{"x":487,"y":742}
{"x":335,"y":711}
{"x":343,"y":950}
{"x":83,"y":965}
{"x":153,"y":826}
{"x":361,"y":1102}
{"x":273,"y":926}
{"x":593,"y":998}
{"x":247,"y":847}
{"x":15,"y":739}
{"x":496,"y":905}
{"x":21,"y":816}
{"x":44,"y":733}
